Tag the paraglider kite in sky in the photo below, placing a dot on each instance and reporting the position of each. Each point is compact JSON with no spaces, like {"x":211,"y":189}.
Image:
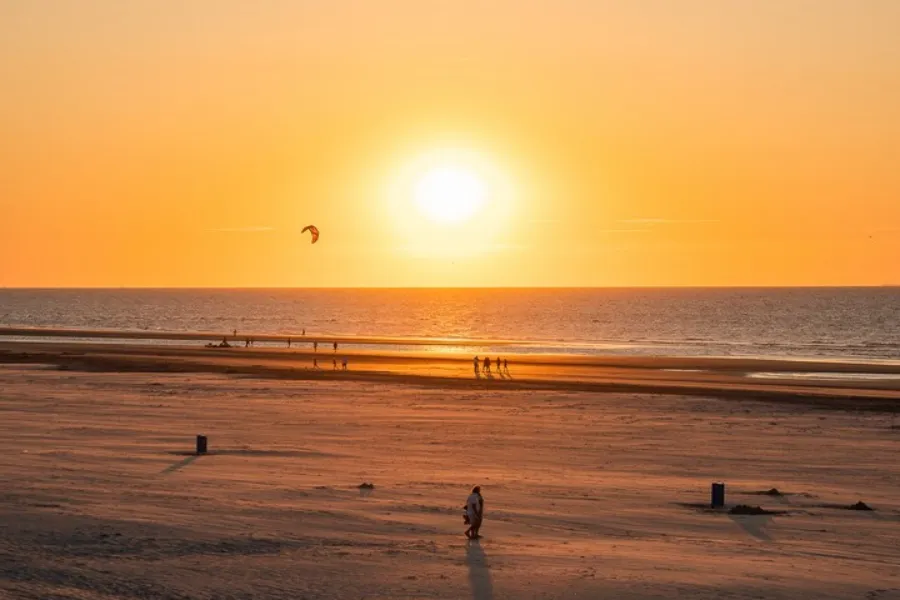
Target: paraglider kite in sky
{"x":312,"y":230}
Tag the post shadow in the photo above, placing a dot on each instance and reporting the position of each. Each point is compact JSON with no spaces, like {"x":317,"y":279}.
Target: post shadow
{"x":480,"y":583}
{"x":180,"y":464}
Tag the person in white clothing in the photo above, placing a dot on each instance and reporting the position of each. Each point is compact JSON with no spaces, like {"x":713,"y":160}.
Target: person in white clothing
{"x":474,"y":512}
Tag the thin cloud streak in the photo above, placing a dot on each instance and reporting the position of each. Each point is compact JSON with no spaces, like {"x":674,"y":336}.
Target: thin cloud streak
{"x":657,"y":221}
{"x":241,"y":229}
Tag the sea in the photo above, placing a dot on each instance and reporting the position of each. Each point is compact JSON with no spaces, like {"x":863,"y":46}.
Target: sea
{"x":861,"y":324}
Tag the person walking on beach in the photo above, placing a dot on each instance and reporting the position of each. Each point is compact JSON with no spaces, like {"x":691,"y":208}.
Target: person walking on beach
{"x":289,"y":342}
{"x":498,"y":365}
{"x":487,"y":365}
{"x":334,"y":364}
{"x":474,"y":512}
{"x":234,"y":333}
{"x":506,"y":366}
{"x":315,"y":346}
{"x":476,"y":361}
{"x":335,"y":346}
{"x":344,"y":364}
{"x":315,"y":363}
{"x":304,"y":331}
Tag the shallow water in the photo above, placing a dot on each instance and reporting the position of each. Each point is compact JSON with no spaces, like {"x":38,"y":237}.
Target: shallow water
{"x":854,"y":323}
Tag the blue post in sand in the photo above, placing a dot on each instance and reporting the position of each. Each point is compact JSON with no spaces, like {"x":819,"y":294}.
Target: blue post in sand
{"x":718,"y":495}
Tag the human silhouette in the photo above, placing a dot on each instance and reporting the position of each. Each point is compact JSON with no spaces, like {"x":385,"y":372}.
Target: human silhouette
{"x":335,"y":346}
{"x":487,"y":365}
{"x":474,"y":513}
{"x":476,"y":361}
{"x":315,"y":346}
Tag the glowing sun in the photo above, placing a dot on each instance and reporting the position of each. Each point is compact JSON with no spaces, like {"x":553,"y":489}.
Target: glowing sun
{"x":448,"y":194}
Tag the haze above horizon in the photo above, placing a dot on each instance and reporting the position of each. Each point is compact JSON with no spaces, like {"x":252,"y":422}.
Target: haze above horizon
{"x":516,"y":144}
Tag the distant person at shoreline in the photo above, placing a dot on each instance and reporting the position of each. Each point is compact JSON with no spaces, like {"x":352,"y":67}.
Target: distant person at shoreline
{"x":289,"y":342}
{"x":344,"y":364}
{"x":315,"y":363}
{"x":335,"y":346}
{"x":224,"y":344}
{"x":506,"y":366}
{"x":334,"y":364}
{"x":234,"y":333}
{"x":499,"y":370}
{"x":487,"y":365}
{"x":476,"y":361}
{"x":247,"y":343}
{"x":474,"y":512}
{"x":304,"y":331}
{"x":315,"y":346}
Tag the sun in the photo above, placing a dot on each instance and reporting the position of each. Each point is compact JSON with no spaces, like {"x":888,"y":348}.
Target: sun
{"x":449,"y":194}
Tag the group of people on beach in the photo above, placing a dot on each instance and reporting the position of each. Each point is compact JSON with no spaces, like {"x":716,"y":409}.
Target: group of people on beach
{"x":334,"y":364}
{"x":485,"y":366}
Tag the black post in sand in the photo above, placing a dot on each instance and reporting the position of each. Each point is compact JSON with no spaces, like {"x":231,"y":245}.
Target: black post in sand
{"x":201,"y":444}
{"x":718,"y":495}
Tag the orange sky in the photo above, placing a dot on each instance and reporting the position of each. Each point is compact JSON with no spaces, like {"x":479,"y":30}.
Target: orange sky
{"x":629,"y":142}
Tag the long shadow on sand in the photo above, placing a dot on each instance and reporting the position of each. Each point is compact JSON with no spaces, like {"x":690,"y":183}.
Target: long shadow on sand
{"x":180,"y":464}
{"x":192,"y":456}
{"x":479,"y":572}
{"x":755,"y":525}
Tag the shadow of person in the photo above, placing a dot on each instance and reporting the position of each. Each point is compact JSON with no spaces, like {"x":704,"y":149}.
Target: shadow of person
{"x":480,"y":583}
{"x":754,"y":525}
{"x":477,"y":374}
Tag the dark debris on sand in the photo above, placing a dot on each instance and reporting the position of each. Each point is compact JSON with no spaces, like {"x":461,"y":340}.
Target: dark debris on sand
{"x":860,"y":506}
{"x":366,"y":486}
{"x":744,"y":509}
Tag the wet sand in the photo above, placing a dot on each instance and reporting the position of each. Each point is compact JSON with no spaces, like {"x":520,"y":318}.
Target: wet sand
{"x":715,"y":377}
{"x":588,"y":495}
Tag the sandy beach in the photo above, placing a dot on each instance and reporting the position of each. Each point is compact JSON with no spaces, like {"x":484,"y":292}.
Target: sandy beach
{"x":588,"y":494}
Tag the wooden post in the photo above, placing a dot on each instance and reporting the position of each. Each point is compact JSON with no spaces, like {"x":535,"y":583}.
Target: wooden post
{"x":201,"y":444}
{"x":718,"y":495}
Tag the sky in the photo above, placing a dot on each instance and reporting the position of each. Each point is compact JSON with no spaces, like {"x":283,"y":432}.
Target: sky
{"x":164,"y":143}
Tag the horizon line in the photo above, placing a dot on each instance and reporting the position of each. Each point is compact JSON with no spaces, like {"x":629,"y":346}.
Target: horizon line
{"x":523,"y":287}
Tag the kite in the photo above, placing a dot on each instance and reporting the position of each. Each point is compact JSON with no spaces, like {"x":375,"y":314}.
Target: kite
{"x":314,"y":231}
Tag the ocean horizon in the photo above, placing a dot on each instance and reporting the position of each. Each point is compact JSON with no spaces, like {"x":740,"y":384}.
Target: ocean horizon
{"x":854,"y":323}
